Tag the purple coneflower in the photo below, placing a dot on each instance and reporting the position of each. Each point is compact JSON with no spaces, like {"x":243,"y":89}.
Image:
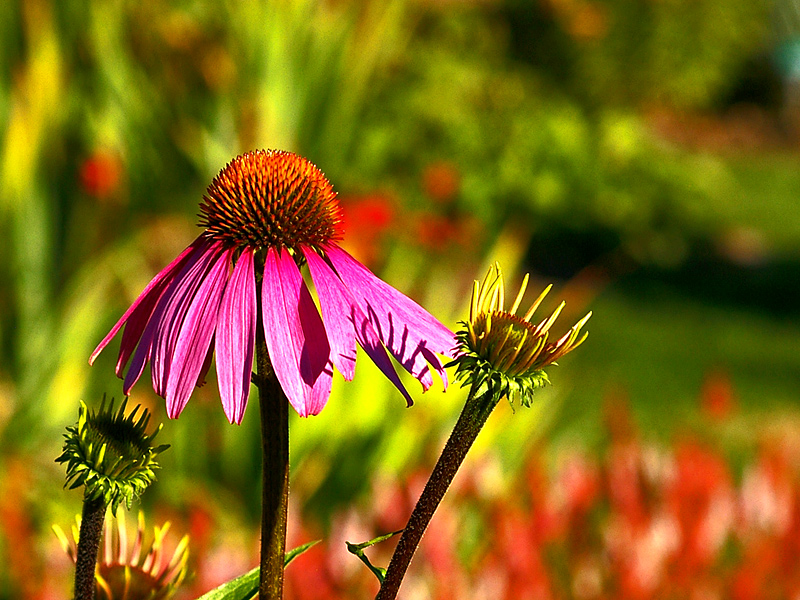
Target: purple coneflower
{"x":265,"y":215}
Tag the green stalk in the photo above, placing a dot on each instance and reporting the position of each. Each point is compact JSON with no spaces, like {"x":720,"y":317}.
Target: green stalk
{"x":476,"y":410}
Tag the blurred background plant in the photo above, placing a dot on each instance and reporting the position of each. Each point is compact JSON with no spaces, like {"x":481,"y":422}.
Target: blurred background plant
{"x":641,"y":155}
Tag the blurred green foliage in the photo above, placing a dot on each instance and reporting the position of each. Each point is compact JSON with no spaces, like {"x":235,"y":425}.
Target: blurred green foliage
{"x":115,"y":115}
{"x":629,"y":52}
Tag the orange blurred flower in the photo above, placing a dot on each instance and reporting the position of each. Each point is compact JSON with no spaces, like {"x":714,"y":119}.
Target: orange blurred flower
{"x":441,"y":181}
{"x":367,"y":220}
{"x":100,"y":174}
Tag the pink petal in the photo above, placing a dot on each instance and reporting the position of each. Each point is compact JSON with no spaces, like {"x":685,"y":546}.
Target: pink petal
{"x":139,"y":312}
{"x":144,"y":350}
{"x":336,"y":313}
{"x":236,"y":336}
{"x":341,"y":312}
{"x":201,"y":378}
{"x":136,"y":324}
{"x":197,"y":327}
{"x":298,"y":347}
{"x":165,"y":325}
{"x":405,"y":328}
{"x":321,"y":391}
{"x":140,"y":358}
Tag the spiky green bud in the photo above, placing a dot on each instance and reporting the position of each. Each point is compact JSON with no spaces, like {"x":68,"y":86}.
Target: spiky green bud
{"x":111,"y":454}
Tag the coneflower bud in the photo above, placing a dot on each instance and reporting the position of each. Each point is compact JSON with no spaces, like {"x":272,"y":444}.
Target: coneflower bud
{"x":507,"y":352}
{"x":138,"y":572}
{"x":498,"y":354}
{"x":111,"y":454}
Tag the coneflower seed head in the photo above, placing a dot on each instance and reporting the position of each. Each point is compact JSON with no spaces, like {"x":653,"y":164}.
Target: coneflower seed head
{"x":271,"y":198}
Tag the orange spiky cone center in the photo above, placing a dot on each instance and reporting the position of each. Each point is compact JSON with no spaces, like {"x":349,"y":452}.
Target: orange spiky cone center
{"x":271,"y":198}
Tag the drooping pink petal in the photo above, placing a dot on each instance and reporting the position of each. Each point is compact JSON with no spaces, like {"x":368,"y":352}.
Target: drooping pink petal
{"x":343,"y":317}
{"x":140,"y":358}
{"x":136,"y":324}
{"x":172,"y":310}
{"x":321,"y":391}
{"x":236,"y":335}
{"x":164,"y":326}
{"x":368,"y":339}
{"x":139,"y":312}
{"x":336,"y":313}
{"x":144,"y":350}
{"x":201,"y":377}
{"x":298,"y":347}
{"x":434,"y":361}
{"x":404,"y":327}
{"x":196,"y":329}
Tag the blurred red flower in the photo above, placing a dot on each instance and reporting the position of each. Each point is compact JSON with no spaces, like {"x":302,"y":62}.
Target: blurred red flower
{"x":441,"y":181}
{"x":367,"y":220}
{"x":100,"y":174}
{"x":717,"y":397}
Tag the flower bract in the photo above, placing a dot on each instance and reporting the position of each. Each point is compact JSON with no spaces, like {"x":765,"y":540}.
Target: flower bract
{"x":507,"y":352}
{"x":265,"y":216}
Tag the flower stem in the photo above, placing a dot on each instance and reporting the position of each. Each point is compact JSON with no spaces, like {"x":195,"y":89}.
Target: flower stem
{"x":476,"y":410}
{"x":92,"y":518}
{"x":275,"y":474}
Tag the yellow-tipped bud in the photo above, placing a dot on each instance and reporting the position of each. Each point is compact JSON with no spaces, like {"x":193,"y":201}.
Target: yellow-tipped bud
{"x":504,"y":350}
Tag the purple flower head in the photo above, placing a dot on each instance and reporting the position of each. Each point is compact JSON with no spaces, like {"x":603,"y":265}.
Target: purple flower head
{"x":266,"y":215}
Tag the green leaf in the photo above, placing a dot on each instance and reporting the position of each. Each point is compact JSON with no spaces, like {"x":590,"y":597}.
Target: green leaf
{"x":245,"y":586}
{"x":241,"y":588}
{"x":294,"y":553}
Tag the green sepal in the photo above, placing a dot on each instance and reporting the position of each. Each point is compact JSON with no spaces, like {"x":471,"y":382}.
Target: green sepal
{"x":472,"y":369}
{"x":358,"y":550}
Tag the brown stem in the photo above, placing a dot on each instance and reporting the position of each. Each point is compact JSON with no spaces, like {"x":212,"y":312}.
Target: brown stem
{"x":274,"y":413}
{"x":92,"y":518}
{"x":275,"y":473}
{"x":476,"y":410}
